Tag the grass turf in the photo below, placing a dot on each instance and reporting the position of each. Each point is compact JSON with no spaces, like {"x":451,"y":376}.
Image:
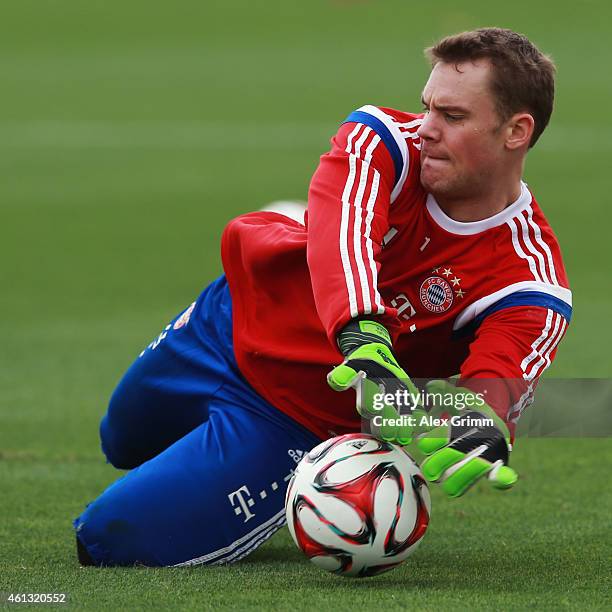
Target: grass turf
{"x":129,"y":135}
{"x":542,"y":545}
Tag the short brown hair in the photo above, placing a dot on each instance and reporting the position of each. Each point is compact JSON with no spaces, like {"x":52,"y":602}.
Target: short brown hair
{"x":523,"y":77}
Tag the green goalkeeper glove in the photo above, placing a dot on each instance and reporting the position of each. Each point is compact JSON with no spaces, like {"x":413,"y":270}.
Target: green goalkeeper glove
{"x":370,"y":367}
{"x":475,"y":443}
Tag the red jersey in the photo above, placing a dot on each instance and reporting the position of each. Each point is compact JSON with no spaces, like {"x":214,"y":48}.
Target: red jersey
{"x":486,"y":299}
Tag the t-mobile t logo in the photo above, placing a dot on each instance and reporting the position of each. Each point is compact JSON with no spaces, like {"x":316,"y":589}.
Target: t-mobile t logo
{"x":241,"y":501}
{"x":405,"y":309}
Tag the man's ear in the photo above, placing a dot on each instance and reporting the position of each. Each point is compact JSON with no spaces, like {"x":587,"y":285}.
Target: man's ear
{"x":519,"y":130}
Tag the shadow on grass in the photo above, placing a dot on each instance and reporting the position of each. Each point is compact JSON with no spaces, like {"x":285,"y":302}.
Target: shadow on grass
{"x":488,"y":571}
{"x":275,"y":556}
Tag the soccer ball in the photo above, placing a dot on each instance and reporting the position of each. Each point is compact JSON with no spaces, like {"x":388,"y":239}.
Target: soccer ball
{"x":357,"y":506}
{"x":289,"y":208}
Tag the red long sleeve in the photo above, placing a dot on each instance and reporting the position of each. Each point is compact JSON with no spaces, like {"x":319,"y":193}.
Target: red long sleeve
{"x":348,"y":209}
{"x":511,"y":350}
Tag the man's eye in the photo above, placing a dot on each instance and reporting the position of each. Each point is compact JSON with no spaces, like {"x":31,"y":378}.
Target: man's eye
{"x":454,"y":117}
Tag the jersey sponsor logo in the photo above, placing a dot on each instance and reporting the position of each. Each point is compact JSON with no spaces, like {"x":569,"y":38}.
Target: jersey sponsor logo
{"x":242,"y":501}
{"x":436,"y":294}
{"x":405,"y":309}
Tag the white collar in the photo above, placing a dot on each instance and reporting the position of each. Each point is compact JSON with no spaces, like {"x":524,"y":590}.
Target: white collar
{"x":475,"y":227}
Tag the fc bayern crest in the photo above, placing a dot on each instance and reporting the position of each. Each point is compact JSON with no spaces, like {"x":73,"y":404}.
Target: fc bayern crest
{"x":436,"y":294}
{"x":184,"y":318}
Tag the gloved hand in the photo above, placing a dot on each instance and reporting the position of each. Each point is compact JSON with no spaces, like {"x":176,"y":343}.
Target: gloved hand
{"x":371,"y":369}
{"x":475,"y":443}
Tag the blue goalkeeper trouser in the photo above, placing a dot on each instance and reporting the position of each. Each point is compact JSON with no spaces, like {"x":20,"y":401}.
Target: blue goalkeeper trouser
{"x":210,"y":458}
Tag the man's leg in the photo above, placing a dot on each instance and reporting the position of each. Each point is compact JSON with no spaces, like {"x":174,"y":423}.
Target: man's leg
{"x":165,"y":393}
{"x":212,"y":497}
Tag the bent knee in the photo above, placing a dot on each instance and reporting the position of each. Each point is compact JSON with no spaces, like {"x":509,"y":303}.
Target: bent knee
{"x":117,"y":449}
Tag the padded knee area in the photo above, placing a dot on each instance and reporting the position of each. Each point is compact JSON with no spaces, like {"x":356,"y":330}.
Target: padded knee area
{"x":119,"y":453}
{"x":83,"y":556}
{"x":138,"y":425}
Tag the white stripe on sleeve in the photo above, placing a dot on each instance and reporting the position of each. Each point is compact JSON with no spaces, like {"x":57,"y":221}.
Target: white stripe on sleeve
{"x":349,"y":142}
{"x":399,"y":138}
{"x":479,"y":306}
{"x":344,"y":223}
{"x":368,"y":233}
{"x":363,"y":258}
{"x":380,"y":309}
{"x":531,"y":248}
{"x":534,"y":347}
{"x":546,"y":350}
{"x":513,"y":225}
{"x":357,"y":250}
{"x":361,"y":140}
{"x":538,"y":236}
{"x":554,"y":344}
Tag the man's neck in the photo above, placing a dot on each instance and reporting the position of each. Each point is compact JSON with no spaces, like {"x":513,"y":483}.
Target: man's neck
{"x":466,"y":210}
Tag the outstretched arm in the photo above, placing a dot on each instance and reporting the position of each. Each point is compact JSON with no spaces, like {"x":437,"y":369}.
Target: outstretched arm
{"x":512,"y":349}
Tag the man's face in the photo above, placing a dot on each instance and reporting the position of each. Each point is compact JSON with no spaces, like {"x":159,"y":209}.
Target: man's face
{"x":462,"y":149}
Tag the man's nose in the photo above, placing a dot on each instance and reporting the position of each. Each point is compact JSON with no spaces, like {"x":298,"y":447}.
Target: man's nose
{"x":428,"y":129}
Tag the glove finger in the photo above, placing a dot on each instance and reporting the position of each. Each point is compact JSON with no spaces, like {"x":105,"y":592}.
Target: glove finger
{"x":402,"y":429}
{"x":388,"y":428}
{"x":459,"y":481}
{"x":503,"y":477}
{"x":367,"y":390}
{"x":395,"y":430}
{"x":404,"y":437}
{"x":434,"y":466}
{"x":421,"y":420}
{"x":443,"y":389}
{"x":342,"y":377}
{"x":433,"y":440}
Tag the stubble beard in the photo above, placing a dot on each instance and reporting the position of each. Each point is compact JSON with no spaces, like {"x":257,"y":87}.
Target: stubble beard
{"x":451,"y":187}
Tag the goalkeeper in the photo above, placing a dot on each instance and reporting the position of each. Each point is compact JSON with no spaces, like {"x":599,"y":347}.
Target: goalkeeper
{"x":423,"y":255}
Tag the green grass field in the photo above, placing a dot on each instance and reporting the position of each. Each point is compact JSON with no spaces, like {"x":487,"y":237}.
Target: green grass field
{"x":130,"y":133}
